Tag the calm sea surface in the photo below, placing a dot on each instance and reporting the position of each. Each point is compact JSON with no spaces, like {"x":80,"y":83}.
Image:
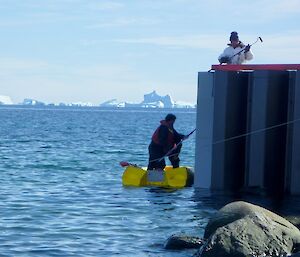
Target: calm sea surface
{"x":61,"y":190}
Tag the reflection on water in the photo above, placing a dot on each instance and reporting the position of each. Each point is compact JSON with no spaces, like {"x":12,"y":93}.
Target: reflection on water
{"x":283,"y":205}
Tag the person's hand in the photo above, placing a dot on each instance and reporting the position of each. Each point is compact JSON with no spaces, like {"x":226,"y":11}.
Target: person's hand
{"x":224,"y":59}
{"x":247,"y":48}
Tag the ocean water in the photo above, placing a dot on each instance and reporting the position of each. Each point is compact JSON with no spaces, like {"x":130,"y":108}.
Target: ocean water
{"x":61,"y":190}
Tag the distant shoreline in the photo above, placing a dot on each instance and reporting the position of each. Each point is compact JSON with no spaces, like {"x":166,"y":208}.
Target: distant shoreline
{"x":55,"y":107}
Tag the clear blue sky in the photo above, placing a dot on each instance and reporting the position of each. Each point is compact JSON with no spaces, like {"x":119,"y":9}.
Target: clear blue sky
{"x":93,"y":51}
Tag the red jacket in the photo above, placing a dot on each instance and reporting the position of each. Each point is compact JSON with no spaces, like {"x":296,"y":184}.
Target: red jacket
{"x":166,"y":136}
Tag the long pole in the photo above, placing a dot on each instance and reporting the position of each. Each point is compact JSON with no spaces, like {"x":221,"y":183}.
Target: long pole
{"x":125,"y":164}
{"x":259,"y":38}
{"x":174,"y":148}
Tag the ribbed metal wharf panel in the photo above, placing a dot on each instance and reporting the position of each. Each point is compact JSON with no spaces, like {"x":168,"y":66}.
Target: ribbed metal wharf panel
{"x":230,"y":112}
{"x":205,"y":105}
{"x":256,"y":120}
{"x":248,"y":131}
{"x":293,"y":132}
{"x":266,"y":144}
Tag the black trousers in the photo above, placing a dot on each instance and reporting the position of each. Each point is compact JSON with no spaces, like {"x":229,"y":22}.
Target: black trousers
{"x":156,"y":152}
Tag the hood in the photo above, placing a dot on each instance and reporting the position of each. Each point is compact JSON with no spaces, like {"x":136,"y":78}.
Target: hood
{"x":164,"y":123}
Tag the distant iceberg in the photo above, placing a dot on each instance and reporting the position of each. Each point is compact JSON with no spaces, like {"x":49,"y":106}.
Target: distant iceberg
{"x":33,"y":102}
{"x":180,"y":104}
{"x":81,"y":104}
{"x":151,"y":100}
{"x":158,"y":104}
{"x":5,"y":100}
{"x":113,"y":103}
{"x":159,"y":101}
{"x":131,"y":105}
{"x":28,"y":101}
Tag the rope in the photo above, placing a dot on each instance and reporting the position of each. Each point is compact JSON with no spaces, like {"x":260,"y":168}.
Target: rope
{"x":254,"y":132}
{"x":167,"y":155}
{"x":238,"y":136}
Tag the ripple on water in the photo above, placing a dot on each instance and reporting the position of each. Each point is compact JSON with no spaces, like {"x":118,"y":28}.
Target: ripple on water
{"x":61,"y":192}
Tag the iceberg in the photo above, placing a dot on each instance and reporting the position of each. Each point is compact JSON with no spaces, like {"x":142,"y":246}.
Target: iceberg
{"x":186,"y":105}
{"x":153,"y":97}
{"x":113,"y":103}
{"x":158,"y":104}
{"x":5,"y":100}
{"x":81,"y":104}
{"x":132,"y":105}
{"x":28,"y":101}
{"x":151,"y":100}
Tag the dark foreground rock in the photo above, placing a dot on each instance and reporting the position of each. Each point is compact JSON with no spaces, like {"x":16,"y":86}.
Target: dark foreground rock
{"x":178,"y":242}
{"x":295,"y":220}
{"x":242,"y":229}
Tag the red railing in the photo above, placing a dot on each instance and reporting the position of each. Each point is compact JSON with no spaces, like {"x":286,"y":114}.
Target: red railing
{"x":236,"y":67}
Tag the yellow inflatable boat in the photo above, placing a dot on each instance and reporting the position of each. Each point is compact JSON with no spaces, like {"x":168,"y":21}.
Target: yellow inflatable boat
{"x":169,"y":177}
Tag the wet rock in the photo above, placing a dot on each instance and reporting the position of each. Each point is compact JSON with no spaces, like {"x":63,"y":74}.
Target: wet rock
{"x":237,"y":210}
{"x":178,"y":242}
{"x":295,"y":220}
{"x":242,"y":229}
{"x":296,"y":248}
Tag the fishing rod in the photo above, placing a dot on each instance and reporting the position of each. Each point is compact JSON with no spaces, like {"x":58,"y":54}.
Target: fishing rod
{"x":125,"y":164}
{"x":174,"y":148}
{"x":258,"y":39}
{"x":266,"y":129}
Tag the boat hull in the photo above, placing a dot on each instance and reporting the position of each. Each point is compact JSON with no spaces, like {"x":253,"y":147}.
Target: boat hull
{"x":169,"y":177}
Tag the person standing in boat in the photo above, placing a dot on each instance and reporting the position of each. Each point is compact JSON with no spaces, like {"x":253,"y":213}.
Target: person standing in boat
{"x":236,"y":52}
{"x":163,"y":140}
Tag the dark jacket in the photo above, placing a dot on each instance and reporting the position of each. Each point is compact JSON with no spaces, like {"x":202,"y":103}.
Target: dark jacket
{"x":165,"y":136}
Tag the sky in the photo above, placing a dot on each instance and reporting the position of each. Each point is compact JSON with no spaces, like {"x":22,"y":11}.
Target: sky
{"x":96,"y":50}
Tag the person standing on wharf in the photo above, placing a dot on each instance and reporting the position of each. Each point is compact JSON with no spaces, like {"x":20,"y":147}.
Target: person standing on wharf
{"x":236,"y":52}
{"x":163,"y":140}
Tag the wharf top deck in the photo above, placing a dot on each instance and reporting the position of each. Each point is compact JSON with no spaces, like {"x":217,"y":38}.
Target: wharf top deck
{"x":240,"y":67}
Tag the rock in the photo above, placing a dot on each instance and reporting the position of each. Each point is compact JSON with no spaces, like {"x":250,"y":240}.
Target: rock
{"x":177,"y":242}
{"x":249,"y":236}
{"x":237,"y":210}
{"x":295,"y":220}
{"x":242,"y":229}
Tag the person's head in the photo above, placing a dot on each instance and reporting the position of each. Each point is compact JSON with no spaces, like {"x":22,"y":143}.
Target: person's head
{"x":170,"y":118}
{"x":234,"y":39}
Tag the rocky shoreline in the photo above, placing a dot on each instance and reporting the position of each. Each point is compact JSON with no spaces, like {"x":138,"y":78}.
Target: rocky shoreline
{"x":242,"y":229}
